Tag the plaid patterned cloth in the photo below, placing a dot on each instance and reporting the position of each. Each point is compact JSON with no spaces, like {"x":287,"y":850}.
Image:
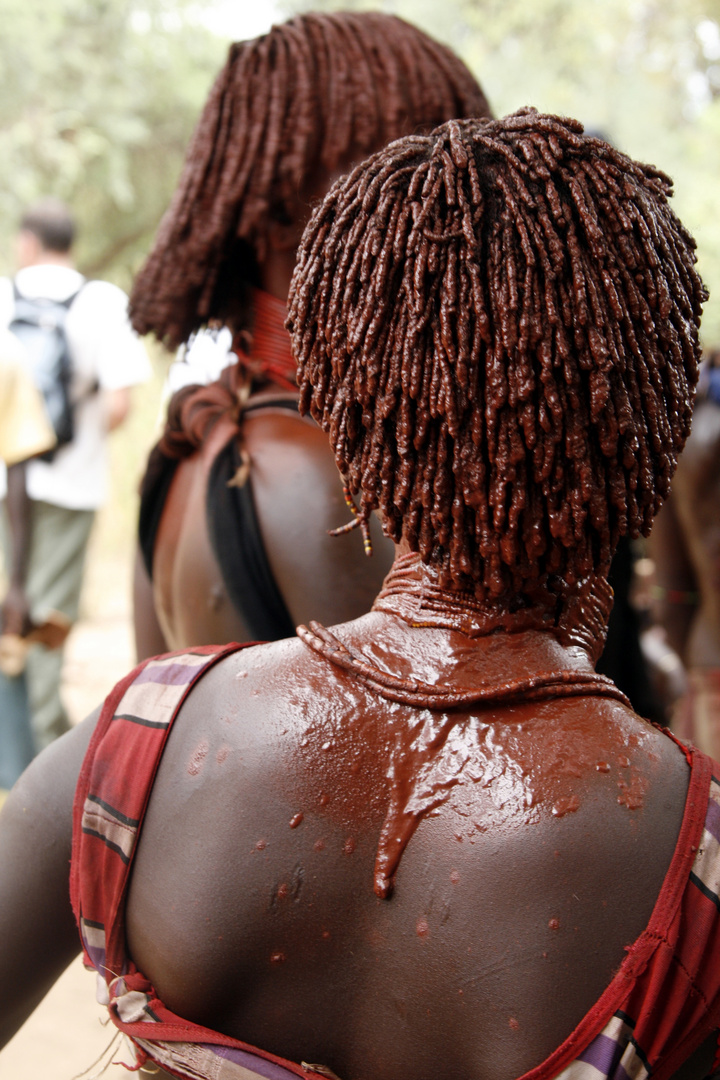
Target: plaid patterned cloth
{"x":662,"y":1003}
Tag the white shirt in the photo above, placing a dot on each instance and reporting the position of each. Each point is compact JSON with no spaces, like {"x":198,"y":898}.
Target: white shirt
{"x":106,"y":352}
{"x":200,"y":362}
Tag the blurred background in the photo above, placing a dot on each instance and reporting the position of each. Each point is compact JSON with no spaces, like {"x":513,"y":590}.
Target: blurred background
{"x":99,"y":100}
{"x":100,"y":96}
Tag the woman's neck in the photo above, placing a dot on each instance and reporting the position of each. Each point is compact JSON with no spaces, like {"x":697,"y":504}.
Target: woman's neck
{"x":465,"y":666}
{"x":413,"y":592}
{"x":265,"y":352}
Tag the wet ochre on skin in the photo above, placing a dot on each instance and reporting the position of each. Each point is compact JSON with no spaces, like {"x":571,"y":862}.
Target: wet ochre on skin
{"x":455,"y":732}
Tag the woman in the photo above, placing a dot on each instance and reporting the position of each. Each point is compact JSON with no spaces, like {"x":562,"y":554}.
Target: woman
{"x":241,"y":493}
{"x":431,"y":842}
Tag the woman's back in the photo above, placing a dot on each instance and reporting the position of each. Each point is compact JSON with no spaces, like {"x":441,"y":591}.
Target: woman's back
{"x":552,"y":830}
{"x":206,"y":584}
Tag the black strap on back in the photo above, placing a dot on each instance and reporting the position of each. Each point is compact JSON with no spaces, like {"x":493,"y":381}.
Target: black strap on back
{"x":234,"y":531}
{"x":238,"y":544}
{"x":154,"y":488}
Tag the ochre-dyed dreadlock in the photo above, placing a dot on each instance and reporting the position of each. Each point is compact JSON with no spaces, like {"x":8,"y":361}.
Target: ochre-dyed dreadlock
{"x":497,"y":325}
{"x":312,"y":94}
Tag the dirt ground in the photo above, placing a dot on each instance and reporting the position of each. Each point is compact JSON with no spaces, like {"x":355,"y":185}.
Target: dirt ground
{"x":67,"y":1036}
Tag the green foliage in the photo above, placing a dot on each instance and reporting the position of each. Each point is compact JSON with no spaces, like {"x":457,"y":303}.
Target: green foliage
{"x":100,"y":97}
{"x":646,"y":73}
{"x":99,"y":100}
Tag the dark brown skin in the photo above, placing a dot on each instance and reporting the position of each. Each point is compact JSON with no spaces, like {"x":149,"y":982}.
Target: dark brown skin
{"x":298,"y":497}
{"x":685,"y":544}
{"x":39,"y":934}
{"x":445,"y":978}
{"x":15,"y":608}
{"x":149,"y":638}
{"x":372,"y":988}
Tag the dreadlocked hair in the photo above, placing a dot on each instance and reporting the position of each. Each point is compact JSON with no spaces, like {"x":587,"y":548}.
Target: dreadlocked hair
{"x":312,"y":93}
{"x":497,"y":325}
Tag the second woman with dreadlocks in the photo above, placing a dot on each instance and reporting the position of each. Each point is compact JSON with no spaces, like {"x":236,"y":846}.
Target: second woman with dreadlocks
{"x":431,"y":843}
{"x":241,"y":493}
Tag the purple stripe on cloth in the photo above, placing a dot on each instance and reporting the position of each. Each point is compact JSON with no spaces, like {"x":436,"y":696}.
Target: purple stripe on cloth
{"x":251,"y":1062}
{"x":620,"y":1073}
{"x":603,"y":1054}
{"x":97,"y":956}
{"x":170,"y":674}
{"x":712,"y":821}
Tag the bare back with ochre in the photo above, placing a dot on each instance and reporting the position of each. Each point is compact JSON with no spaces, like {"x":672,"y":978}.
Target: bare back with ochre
{"x":285,"y":785}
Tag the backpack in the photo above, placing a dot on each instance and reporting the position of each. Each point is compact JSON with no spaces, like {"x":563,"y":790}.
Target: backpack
{"x":39,"y":324}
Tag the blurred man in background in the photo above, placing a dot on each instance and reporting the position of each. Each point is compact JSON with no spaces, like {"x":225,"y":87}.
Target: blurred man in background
{"x":25,"y":431}
{"x":62,"y":494}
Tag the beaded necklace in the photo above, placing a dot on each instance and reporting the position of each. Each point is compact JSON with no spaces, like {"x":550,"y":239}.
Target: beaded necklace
{"x":411,"y":591}
{"x":268,"y":355}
